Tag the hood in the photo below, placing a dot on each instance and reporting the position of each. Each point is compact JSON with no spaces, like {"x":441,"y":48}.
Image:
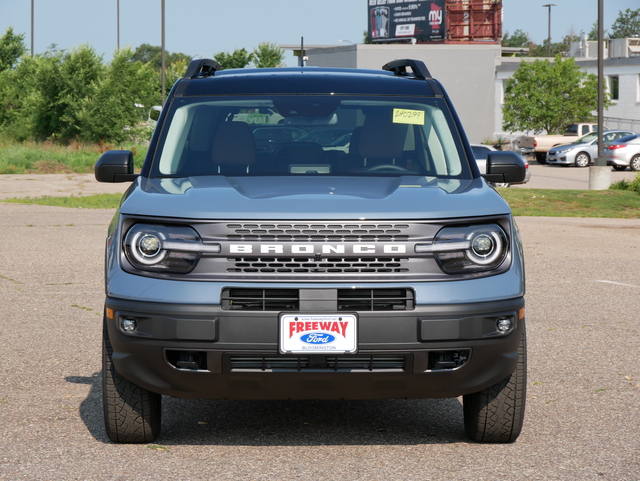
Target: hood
{"x":568,"y":146}
{"x":405,"y":197}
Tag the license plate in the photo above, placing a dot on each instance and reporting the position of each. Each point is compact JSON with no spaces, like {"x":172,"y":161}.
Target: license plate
{"x":318,"y":333}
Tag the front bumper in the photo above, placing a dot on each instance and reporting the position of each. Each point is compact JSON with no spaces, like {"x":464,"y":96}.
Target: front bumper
{"x":560,"y":159}
{"x":203,"y":351}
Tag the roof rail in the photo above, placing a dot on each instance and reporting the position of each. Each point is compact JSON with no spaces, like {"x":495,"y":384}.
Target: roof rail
{"x":399,"y":67}
{"x":202,"y":67}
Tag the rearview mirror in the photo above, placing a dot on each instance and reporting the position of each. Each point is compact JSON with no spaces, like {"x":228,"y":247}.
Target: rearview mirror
{"x":505,"y":167}
{"x":115,"y":166}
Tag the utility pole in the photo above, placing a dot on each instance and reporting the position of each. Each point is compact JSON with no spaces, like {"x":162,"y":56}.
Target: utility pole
{"x":118,"y":25}
{"x":600,"y":173}
{"x":164,"y":78}
{"x":32,"y":24}
{"x":549,"y":5}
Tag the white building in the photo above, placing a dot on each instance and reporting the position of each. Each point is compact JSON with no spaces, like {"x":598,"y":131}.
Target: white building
{"x":475,"y":75}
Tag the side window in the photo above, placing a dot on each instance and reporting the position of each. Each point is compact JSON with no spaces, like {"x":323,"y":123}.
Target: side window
{"x":585,"y":129}
{"x":614,"y":87}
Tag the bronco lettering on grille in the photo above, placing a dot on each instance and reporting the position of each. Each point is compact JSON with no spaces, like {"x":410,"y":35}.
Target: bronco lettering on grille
{"x":323,"y":248}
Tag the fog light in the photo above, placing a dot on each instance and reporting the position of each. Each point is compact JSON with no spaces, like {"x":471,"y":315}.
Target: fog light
{"x":128,"y":325}
{"x":504,"y":325}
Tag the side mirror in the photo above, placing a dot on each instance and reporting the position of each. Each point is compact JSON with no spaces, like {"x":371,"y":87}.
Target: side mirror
{"x":505,"y":167}
{"x":115,"y":166}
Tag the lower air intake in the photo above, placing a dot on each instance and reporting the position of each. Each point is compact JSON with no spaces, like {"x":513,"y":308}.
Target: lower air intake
{"x":318,"y":364}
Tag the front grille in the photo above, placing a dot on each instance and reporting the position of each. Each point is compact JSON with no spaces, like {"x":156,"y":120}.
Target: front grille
{"x":273,"y":299}
{"x":317,"y":364}
{"x":375,"y":299}
{"x":310,"y":251}
{"x":331,"y":265}
{"x":260,"y":299}
{"x":321,"y":232}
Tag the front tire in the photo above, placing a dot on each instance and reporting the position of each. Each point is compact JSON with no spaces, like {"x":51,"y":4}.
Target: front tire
{"x":495,"y":414}
{"x":582,"y":159}
{"x":635,"y":163}
{"x":131,"y":413}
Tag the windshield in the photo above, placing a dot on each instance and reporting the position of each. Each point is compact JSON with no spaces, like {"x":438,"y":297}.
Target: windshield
{"x":309,"y":135}
{"x":586,"y":138}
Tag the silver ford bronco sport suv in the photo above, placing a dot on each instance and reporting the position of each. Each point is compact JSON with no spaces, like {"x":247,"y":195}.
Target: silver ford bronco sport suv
{"x":312,"y":233}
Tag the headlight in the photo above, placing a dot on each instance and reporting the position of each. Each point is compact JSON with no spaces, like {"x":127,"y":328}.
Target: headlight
{"x":468,"y":249}
{"x":165,"y":248}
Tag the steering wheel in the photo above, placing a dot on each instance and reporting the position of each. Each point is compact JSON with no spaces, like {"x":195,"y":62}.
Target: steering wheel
{"x":389,"y":166}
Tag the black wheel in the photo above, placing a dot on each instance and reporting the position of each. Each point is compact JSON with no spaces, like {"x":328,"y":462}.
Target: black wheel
{"x":541,"y":158}
{"x":495,"y":414}
{"x":131,"y":413}
{"x":619,"y":167}
{"x":635,"y":163}
{"x":582,"y":159}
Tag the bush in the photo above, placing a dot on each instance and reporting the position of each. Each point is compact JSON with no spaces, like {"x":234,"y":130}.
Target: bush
{"x":71,"y":96}
{"x":632,"y":185}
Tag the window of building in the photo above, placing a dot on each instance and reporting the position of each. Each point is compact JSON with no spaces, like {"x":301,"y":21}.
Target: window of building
{"x":614,"y":87}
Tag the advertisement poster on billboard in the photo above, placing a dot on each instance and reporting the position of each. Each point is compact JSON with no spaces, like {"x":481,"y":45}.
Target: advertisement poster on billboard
{"x":395,"y":20}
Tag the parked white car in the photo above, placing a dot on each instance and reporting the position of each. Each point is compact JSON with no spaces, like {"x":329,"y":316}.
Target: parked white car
{"x":582,"y":151}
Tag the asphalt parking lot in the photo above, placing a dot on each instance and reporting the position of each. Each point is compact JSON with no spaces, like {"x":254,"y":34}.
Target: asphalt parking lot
{"x":583,"y":409}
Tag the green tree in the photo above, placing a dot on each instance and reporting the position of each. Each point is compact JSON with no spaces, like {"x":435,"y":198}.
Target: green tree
{"x":268,"y":55}
{"x":152,"y":55}
{"x":543,"y":95}
{"x":593,"y":33}
{"x":627,"y":24}
{"x":18,"y":90}
{"x":12,"y":47}
{"x":557,"y":48}
{"x":114,"y":114}
{"x":63,"y":83}
{"x":175,"y":72}
{"x":72,"y":95}
{"x":518,"y":39}
{"x":240,"y":58}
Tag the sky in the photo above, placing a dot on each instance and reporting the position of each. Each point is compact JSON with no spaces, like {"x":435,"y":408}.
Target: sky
{"x":201,"y":28}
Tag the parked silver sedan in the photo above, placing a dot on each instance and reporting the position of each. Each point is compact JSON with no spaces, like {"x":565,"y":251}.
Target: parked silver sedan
{"x":582,"y":151}
{"x":624,"y":153}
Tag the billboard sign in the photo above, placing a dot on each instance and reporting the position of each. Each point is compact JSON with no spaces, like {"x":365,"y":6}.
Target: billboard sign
{"x":394,"y":20}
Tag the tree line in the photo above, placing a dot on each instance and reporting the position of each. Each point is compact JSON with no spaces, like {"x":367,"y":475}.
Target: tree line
{"x":73,"y":95}
{"x":626,"y":25}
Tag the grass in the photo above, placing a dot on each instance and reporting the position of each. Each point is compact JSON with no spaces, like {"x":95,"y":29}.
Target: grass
{"x":622,"y":204}
{"x":52,"y":158}
{"x":98,"y":201}
{"x":524,"y":202}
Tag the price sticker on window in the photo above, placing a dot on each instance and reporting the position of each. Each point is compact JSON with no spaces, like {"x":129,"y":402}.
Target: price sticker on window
{"x":406,"y":116}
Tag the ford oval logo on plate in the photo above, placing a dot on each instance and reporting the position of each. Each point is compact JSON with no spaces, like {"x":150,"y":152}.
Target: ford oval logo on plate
{"x":317,"y":338}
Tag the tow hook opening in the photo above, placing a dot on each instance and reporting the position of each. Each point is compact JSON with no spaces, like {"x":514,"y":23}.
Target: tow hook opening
{"x":447,"y":360}
{"x":187,"y":360}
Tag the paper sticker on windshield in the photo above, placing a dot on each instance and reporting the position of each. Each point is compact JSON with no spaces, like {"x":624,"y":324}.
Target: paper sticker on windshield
{"x":405,"y":116}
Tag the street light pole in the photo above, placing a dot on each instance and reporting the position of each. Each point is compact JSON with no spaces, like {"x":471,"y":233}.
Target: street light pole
{"x":118,"y":24}
{"x":600,"y":173}
{"x":549,"y":5}
{"x":32,"y":23}
{"x":164,"y":79}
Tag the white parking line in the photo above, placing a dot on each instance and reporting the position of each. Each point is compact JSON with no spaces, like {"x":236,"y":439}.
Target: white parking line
{"x":619,"y":283}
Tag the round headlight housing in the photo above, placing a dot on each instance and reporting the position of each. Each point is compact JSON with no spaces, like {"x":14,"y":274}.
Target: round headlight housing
{"x":164,"y":248}
{"x":474,"y":248}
